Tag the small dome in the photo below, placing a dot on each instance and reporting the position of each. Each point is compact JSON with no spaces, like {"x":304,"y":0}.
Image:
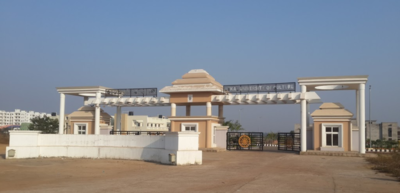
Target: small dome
{"x":198,"y":71}
{"x":196,"y":80}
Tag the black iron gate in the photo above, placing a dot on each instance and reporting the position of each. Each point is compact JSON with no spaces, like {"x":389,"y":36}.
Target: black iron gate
{"x":250,"y":141}
{"x":289,"y":141}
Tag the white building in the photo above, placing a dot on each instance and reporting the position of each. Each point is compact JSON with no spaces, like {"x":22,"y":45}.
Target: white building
{"x":143,"y":123}
{"x":17,"y":117}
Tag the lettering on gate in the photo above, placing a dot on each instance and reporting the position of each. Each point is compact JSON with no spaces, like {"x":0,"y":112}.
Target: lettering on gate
{"x":256,"y":88}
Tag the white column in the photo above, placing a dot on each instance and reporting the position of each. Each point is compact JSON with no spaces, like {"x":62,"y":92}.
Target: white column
{"x":308,"y":115}
{"x":303,"y":121}
{"x":118,"y":118}
{"x":361,"y":124}
{"x":209,"y":106}
{"x":85,"y":100}
{"x":358,"y":108}
{"x":62,"y":110}
{"x":173,"y":109}
{"x":97,"y":114}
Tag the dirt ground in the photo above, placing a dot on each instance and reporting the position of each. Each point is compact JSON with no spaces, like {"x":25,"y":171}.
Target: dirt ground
{"x":232,"y":171}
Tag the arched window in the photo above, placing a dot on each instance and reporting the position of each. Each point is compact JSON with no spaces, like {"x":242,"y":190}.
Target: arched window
{"x":390,"y":132}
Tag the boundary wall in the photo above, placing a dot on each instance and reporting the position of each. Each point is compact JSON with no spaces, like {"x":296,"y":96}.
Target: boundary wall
{"x":154,"y":148}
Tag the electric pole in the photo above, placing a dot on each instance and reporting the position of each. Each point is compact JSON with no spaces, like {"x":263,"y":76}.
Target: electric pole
{"x":369,"y":125}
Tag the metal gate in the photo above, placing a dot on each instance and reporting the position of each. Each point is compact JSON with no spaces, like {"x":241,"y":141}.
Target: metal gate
{"x":249,"y":141}
{"x":289,"y":141}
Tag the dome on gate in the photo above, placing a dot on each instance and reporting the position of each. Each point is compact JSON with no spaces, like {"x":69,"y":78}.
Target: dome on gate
{"x":332,"y":110}
{"x":196,"y":80}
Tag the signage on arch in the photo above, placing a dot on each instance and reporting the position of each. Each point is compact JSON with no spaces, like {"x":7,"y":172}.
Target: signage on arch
{"x":256,"y":88}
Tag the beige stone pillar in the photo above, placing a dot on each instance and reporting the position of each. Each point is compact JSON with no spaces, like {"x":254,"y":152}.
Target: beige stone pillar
{"x":209,"y":110}
{"x":173,"y":109}
{"x":187,"y":110}
{"x":220,"y":111}
{"x":221,"y":114}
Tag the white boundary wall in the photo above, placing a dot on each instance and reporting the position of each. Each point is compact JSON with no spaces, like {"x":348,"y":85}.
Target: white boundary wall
{"x":154,"y":148}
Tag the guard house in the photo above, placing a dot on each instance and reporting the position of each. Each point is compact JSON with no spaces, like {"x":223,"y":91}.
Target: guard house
{"x":196,"y":88}
{"x":333,"y":83}
{"x":333,"y":129}
{"x":82,"y":121}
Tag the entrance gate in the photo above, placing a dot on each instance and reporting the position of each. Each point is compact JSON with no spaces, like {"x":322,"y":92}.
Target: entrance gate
{"x":289,"y":141}
{"x":248,"y":141}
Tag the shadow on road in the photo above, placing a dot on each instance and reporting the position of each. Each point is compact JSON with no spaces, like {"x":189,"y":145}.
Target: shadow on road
{"x":385,"y":179}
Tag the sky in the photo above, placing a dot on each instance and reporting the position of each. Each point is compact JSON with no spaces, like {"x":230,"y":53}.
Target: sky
{"x":46,"y":44}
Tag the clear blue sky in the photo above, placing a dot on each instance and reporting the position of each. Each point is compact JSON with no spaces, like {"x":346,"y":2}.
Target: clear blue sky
{"x":48,"y":44}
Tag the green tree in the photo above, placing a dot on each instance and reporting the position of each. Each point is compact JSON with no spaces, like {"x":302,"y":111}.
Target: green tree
{"x":271,"y":137}
{"x":233,"y":126}
{"x":45,"y":124}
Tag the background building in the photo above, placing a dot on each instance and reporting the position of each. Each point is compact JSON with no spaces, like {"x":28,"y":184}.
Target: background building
{"x":82,"y":121}
{"x":18,"y":117}
{"x":383,"y":131}
{"x":130,"y":122}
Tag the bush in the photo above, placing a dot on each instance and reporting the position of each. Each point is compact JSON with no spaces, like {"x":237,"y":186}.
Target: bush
{"x":388,"y":163}
{"x":389,"y":144}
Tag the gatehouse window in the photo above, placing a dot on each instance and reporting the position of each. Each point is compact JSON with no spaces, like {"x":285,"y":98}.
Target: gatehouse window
{"x":332,"y":135}
{"x":190,"y":128}
{"x":193,"y":127}
{"x":81,"y":128}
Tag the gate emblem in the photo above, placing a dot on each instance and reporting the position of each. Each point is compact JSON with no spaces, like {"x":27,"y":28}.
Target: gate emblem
{"x":244,"y":141}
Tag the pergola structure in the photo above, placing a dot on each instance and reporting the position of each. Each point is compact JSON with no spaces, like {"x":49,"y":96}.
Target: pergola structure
{"x":85,"y":92}
{"x":332,"y":83}
{"x":224,"y":99}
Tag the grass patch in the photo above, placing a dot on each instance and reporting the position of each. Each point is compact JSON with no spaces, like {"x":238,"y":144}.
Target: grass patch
{"x":387,"y":163}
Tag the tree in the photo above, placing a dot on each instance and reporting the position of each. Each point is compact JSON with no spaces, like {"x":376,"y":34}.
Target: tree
{"x":233,"y":126}
{"x":45,"y":124}
{"x":271,"y":137}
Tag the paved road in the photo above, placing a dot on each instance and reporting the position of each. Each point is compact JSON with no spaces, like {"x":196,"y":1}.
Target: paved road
{"x":233,"y":171}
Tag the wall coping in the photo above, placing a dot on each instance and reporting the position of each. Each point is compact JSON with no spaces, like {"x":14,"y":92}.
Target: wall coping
{"x":24,"y":132}
{"x":222,"y":128}
{"x":182,"y":134}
